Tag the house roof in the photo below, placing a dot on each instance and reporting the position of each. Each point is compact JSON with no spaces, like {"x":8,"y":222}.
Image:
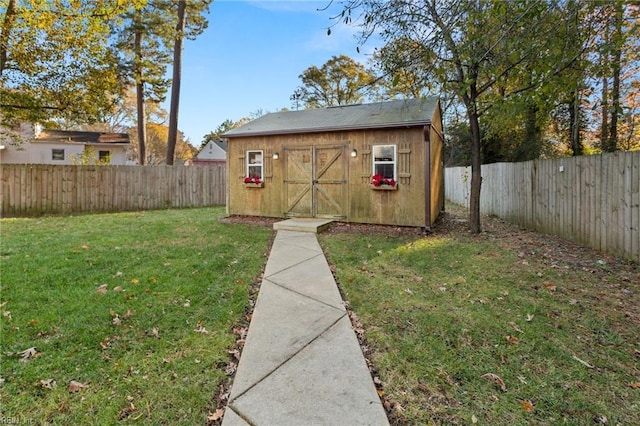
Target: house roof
{"x":70,"y":136}
{"x":213,"y":150}
{"x":398,"y":113}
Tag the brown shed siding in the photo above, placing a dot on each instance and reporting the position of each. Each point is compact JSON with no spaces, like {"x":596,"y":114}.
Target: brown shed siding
{"x":436,"y":141}
{"x":404,"y":206}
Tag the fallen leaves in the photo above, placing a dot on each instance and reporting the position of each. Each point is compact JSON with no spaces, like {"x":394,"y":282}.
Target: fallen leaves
{"x":200,"y":328}
{"x":241,"y":332}
{"x":231,"y":368}
{"x":46,"y":384}
{"x":235,"y":353}
{"x":585,"y":363}
{"x":116,"y":319}
{"x":512,"y":339}
{"x":75,"y":386}
{"x":127,"y":411}
{"x":356,"y":324}
{"x":28,"y":354}
{"x":515,"y":327}
{"x":104,"y":345}
{"x":496,"y":379}
{"x":215,"y":416}
{"x":527,"y":405}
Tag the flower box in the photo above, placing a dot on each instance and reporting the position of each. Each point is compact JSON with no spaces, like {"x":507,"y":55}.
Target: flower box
{"x":253,"y":182}
{"x":384,"y":187}
{"x":379,"y":182}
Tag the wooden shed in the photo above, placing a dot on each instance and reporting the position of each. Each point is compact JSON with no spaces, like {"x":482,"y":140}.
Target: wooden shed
{"x":378,"y":163}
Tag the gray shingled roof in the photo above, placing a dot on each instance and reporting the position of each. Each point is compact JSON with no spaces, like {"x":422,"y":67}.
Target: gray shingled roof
{"x":63,"y":136}
{"x":399,"y":113}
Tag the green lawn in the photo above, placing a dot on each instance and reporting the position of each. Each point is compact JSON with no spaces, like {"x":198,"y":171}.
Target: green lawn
{"x":509,"y":327}
{"x":130,"y":317}
{"x":137,"y":307}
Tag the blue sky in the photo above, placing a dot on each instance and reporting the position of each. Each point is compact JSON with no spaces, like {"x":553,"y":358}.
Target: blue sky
{"x":250,"y":57}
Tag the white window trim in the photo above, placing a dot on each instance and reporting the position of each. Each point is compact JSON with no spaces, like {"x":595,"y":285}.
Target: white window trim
{"x":261,"y":164}
{"x":394,"y":162}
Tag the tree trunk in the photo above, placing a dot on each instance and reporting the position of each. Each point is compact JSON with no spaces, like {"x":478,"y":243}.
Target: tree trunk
{"x":476,"y":175}
{"x":175,"y":85}
{"x":533,"y":135}
{"x":604,"y":126}
{"x":612,"y":140}
{"x":574,"y":124}
{"x":7,"y":26}
{"x":142,"y":128}
{"x":142,"y":124}
{"x":476,"y":163}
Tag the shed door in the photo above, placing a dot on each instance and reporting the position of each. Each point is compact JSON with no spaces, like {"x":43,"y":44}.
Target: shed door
{"x":315,"y":181}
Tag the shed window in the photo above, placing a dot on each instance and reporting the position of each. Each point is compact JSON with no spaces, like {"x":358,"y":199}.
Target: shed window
{"x":57,"y":154}
{"x":384,"y":161}
{"x":255,"y":165}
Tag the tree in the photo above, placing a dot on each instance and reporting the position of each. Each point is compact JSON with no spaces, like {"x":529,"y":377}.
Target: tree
{"x":156,"y":147}
{"x":143,"y":48}
{"x":401,"y":64}
{"x":197,"y":24}
{"x":614,"y":43}
{"x":481,"y":50}
{"x":340,"y":81}
{"x":55,"y":61}
{"x":175,"y":84}
{"x":222,"y":128}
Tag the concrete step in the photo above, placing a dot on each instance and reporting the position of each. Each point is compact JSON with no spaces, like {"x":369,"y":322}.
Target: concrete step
{"x":313,"y":225}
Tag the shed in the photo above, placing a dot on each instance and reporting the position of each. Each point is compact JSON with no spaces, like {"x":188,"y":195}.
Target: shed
{"x":378,"y":163}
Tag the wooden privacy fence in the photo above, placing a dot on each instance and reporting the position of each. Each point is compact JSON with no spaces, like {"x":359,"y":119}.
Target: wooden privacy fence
{"x":593,"y":200}
{"x":36,"y":189}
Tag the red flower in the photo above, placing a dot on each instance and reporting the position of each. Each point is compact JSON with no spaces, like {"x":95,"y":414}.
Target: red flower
{"x":252,"y":179}
{"x":379,"y":180}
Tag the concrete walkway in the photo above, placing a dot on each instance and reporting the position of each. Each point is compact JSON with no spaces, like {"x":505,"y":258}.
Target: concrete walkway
{"x":301,"y":363}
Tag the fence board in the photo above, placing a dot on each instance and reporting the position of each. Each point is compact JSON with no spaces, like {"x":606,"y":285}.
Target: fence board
{"x":635,"y":204}
{"x":594,"y":200}
{"x":36,"y":189}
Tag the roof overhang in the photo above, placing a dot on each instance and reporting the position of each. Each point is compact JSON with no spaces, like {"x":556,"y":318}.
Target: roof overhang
{"x":327,"y":129}
{"x":404,"y":113}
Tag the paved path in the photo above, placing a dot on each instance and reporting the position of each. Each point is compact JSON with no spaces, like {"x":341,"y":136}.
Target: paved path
{"x":301,"y":363}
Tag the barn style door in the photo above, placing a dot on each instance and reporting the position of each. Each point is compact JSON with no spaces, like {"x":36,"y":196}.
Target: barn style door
{"x":315,"y":181}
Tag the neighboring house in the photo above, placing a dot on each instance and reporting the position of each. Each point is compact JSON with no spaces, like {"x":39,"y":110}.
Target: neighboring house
{"x":213,"y":154}
{"x":375,"y":163}
{"x":33,"y":145}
